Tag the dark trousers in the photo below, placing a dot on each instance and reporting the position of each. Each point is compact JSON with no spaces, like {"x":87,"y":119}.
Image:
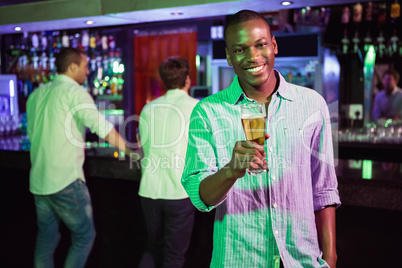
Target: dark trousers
{"x":169,"y":225}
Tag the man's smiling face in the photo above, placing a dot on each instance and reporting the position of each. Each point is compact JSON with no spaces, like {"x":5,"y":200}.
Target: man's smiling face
{"x":251,"y":49}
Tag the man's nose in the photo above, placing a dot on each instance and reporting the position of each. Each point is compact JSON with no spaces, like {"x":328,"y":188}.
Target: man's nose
{"x":253,"y":54}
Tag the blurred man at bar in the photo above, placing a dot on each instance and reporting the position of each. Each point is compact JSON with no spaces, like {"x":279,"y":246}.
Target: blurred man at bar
{"x":57,"y":114}
{"x":169,"y":214}
{"x":284,"y":217}
{"x":388,"y":102}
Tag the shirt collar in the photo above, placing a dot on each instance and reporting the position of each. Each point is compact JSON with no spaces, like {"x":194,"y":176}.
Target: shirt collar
{"x":235,"y":94}
{"x":176,"y":91}
{"x":64,"y":78}
{"x":394,"y":90}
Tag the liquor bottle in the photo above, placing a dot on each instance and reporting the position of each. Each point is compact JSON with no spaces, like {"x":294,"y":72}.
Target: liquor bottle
{"x":52,"y":67}
{"x":85,"y":40}
{"x":35,"y":41}
{"x":345,"y":15}
{"x":356,"y":42}
{"x":112,"y":43}
{"x":92,"y":43}
{"x":381,"y":46}
{"x":382,"y":13}
{"x":43,"y":41}
{"x":395,"y":10}
{"x":25,"y":41}
{"x":105,"y":43}
{"x":44,"y":70}
{"x":357,"y":13}
{"x":345,"y":42}
{"x":65,"y":40}
{"x":394,"y":43}
{"x":74,"y":40}
{"x":369,"y":12}
{"x":34,"y":76}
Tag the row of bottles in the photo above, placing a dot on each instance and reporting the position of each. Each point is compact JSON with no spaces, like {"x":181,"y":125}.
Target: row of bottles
{"x":370,"y":23}
{"x":32,"y":58}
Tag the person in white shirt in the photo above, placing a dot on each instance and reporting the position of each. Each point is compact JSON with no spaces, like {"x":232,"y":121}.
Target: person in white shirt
{"x":388,"y":102}
{"x":57,"y":114}
{"x":168,"y":211}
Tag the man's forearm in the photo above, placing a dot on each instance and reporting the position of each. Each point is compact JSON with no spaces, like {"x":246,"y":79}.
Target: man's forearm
{"x":214,"y":188}
{"x":325,"y":221}
{"x":116,"y":140}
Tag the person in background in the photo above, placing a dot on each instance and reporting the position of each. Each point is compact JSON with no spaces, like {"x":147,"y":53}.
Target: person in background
{"x":169,"y":214}
{"x":283,"y":217}
{"x":57,"y":114}
{"x":388,"y":102}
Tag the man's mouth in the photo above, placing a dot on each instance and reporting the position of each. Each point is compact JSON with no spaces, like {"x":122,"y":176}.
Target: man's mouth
{"x":255,"y":69}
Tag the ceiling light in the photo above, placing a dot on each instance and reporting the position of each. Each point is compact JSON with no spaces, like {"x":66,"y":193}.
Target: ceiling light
{"x":17,"y":29}
{"x":286,"y":3}
{"x":176,"y":13}
{"x":89,"y":22}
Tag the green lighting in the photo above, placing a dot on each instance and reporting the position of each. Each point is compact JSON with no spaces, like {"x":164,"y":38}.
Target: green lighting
{"x":370,"y":57}
{"x":368,"y":70}
{"x":303,"y":11}
{"x":197,"y":61}
{"x":113,"y":112}
{"x":96,"y":84}
{"x":367,"y":169}
{"x":107,"y":78}
{"x":389,"y":121}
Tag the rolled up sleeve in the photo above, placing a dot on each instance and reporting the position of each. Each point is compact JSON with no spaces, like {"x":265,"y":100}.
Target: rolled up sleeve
{"x":325,"y":183}
{"x":200,"y":158}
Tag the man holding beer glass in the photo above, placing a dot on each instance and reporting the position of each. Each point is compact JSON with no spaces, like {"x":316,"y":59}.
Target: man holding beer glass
{"x":284,"y":217}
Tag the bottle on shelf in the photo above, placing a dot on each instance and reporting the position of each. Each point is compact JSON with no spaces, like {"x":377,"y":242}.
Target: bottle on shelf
{"x":65,"y":40}
{"x":345,"y":42}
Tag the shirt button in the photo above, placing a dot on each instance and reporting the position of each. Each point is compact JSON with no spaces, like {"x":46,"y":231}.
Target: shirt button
{"x":276,"y":232}
{"x":270,"y":149}
{"x":275,"y":205}
{"x":273,"y":178}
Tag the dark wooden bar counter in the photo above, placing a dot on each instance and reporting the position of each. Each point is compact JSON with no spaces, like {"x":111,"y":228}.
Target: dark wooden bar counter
{"x":368,"y":222}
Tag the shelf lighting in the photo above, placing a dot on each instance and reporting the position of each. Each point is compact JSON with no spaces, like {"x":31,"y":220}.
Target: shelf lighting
{"x":17,"y":29}
{"x":286,"y":3}
{"x":89,"y":22}
{"x":176,"y":13}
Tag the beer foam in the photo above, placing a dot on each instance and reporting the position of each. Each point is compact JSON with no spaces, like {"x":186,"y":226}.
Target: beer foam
{"x":252,"y":116}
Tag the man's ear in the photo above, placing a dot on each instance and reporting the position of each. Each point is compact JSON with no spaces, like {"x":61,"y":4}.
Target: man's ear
{"x":274,"y":45}
{"x":228,"y":57}
{"x":73,"y":67}
{"x":188,"y":83}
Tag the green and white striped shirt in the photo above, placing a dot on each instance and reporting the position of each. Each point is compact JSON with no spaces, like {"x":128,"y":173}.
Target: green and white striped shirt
{"x":269,"y":215}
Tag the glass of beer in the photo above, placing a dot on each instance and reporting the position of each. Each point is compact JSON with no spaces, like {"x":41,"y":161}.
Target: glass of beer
{"x":253,"y":118}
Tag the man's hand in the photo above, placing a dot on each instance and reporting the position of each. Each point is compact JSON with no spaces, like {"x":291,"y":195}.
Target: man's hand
{"x":246,"y":155}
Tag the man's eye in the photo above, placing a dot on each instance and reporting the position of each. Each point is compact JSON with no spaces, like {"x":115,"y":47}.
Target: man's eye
{"x":262,"y":45}
{"x":238,"y":50}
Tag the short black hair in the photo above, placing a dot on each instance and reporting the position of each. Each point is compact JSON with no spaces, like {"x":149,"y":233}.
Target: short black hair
{"x":243,"y":16}
{"x":392,"y":72}
{"x":66,"y":56}
{"x":174,"y":71}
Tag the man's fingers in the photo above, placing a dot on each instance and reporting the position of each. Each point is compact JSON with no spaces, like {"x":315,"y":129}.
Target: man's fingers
{"x":242,"y":145}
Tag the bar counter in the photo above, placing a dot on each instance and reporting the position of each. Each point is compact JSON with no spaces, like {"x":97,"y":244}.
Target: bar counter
{"x":364,"y":180}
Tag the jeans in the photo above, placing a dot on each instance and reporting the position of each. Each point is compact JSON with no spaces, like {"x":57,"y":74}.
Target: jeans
{"x":169,"y":225}
{"x":73,"y":206}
